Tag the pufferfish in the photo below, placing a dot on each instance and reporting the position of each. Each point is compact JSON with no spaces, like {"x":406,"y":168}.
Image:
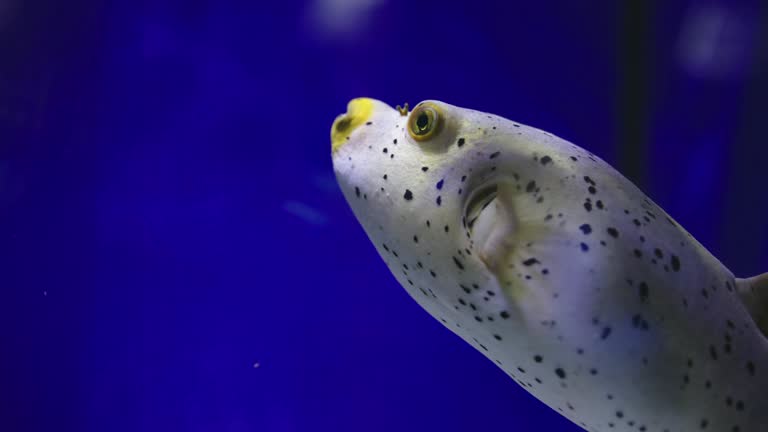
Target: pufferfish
{"x":557,"y":268}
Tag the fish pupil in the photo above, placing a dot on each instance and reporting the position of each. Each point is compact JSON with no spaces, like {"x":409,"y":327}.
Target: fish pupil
{"x":422,"y":121}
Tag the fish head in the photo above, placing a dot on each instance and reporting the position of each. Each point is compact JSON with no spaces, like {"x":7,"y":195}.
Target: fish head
{"x":418,"y":182}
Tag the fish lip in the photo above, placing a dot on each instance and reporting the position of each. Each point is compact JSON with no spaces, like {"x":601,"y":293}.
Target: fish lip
{"x":359,"y":111}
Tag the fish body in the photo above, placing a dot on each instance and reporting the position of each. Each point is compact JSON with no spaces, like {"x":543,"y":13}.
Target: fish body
{"x":556,"y":268}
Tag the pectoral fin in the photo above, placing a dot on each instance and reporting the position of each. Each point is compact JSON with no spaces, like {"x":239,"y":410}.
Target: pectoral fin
{"x":754,"y":294}
{"x":492,"y":223}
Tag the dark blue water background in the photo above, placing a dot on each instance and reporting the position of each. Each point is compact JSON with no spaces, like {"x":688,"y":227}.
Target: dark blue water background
{"x":175,"y":254}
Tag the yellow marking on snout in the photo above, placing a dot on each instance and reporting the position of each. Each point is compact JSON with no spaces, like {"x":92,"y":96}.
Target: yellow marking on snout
{"x":358,"y":112}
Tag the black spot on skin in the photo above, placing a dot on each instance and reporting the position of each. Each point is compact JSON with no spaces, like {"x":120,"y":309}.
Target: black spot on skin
{"x":584,"y":247}
{"x":638,"y":253}
{"x":639,"y":323}
{"x":504,"y":314}
{"x":458,"y":263}
{"x":588,"y":206}
{"x":599,"y":204}
{"x":606,"y":332}
{"x":385,"y":177}
{"x":675,"y":261}
{"x":439,"y":200}
{"x":425,"y":169}
{"x":408,"y":195}
{"x":530,"y":187}
{"x":545,"y":160}
{"x":530,"y":261}
{"x":589,"y":180}
{"x":439,"y":185}
{"x":613,"y":232}
{"x":494,"y":155}
{"x":592,"y":190}
{"x":538,"y":359}
{"x":357,"y":191}
{"x":460,"y":142}
{"x":394,"y":141}
{"x":560,"y":373}
{"x":586,"y":229}
{"x":384,"y":150}
{"x":643,"y":291}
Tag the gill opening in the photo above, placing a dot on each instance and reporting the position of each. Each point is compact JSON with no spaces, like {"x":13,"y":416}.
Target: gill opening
{"x":478,"y":202}
{"x":491,"y":222}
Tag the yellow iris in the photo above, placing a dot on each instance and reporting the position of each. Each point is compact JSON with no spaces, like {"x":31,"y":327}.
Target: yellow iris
{"x":424,"y":122}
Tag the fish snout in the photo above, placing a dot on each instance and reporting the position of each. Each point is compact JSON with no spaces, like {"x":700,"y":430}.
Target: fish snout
{"x":359,"y":110}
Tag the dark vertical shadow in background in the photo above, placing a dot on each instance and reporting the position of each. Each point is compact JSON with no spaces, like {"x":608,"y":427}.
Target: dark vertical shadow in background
{"x":745,"y":237}
{"x":634,"y":88}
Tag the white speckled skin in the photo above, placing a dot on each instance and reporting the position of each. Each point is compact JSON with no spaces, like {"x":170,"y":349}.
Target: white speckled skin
{"x":628,"y":324}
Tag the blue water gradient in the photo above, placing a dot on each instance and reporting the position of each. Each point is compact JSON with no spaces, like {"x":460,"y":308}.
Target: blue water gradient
{"x":176,"y":256}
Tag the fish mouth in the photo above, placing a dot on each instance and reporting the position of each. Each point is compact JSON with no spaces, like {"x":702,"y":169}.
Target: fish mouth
{"x":359,"y":110}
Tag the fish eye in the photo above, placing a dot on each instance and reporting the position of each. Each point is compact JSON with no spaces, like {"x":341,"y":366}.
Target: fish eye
{"x":424,"y":122}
